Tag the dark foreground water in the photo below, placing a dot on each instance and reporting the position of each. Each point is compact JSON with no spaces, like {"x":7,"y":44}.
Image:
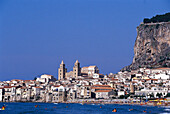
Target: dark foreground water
{"x":62,"y":108}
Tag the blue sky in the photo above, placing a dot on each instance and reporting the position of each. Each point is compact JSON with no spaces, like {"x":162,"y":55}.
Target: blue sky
{"x":35,"y":35}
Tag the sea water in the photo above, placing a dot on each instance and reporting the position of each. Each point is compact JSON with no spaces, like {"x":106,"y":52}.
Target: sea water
{"x":63,"y":108}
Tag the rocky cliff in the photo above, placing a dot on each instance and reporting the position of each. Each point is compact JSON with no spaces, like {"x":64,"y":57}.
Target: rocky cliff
{"x":152,"y":46}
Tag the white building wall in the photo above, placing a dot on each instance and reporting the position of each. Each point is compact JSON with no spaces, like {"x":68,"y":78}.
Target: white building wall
{"x":121,"y":93}
{"x":0,"y":95}
{"x":162,"y":76}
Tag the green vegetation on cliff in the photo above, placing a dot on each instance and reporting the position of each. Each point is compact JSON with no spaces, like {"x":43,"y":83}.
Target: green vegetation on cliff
{"x":158,"y":18}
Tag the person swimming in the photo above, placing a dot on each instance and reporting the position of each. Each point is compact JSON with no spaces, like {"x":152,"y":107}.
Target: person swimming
{"x":130,"y":109}
{"x":144,"y":111}
{"x":36,"y":106}
{"x":114,"y":110}
{"x":3,"y":107}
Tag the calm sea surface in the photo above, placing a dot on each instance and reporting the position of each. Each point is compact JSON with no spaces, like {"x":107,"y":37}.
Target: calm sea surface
{"x":62,"y":108}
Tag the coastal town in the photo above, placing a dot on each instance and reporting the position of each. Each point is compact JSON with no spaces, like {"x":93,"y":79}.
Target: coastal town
{"x":87,"y":85}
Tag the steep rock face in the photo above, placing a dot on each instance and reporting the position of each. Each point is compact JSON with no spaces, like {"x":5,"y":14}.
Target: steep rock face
{"x":152,"y":46}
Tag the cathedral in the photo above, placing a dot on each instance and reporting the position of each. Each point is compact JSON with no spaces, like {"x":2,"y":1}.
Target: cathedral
{"x":77,"y":71}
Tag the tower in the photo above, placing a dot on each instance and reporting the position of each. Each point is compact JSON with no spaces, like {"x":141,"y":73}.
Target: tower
{"x":62,"y":71}
{"x":131,"y":88}
{"x":76,"y":69}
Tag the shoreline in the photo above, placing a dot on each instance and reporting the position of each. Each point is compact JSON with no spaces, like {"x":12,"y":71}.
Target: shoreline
{"x":102,"y":103}
{"x":120,"y":103}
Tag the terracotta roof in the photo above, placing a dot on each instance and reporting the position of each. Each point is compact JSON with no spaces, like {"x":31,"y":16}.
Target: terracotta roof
{"x":28,"y":80}
{"x":92,"y":66}
{"x":84,"y":67}
{"x":56,"y":85}
{"x":103,"y":90}
{"x":126,"y":86}
{"x":7,"y":87}
{"x":37,"y":87}
{"x":134,"y":82}
{"x":16,"y":80}
{"x":23,"y":88}
{"x":163,"y":68}
{"x":100,"y":85}
{"x":114,"y":79}
{"x":154,"y":79}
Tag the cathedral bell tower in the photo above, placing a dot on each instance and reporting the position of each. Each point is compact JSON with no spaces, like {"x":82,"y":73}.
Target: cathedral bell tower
{"x":76,"y":69}
{"x":62,"y":71}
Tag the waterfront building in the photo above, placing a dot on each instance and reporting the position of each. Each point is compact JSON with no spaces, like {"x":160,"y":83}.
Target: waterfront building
{"x":71,"y":94}
{"x":85,"y":91}
{"x":154,"y":91}
{"x":104,"y":94}
{"x":58,"y":93}
{"x":1,"y":94}
{"x":76,"y":87}
{"x":61,"y":94}
{"x":7,"y":95}
{"x":13,"y":93}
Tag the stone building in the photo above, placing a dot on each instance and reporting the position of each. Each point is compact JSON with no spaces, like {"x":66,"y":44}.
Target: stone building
{"x":62,"y":71}
{"x":91,"y":70}
{"x":69,"y":74}
{"x":76,"y":69}
{"x":131,"y":88}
